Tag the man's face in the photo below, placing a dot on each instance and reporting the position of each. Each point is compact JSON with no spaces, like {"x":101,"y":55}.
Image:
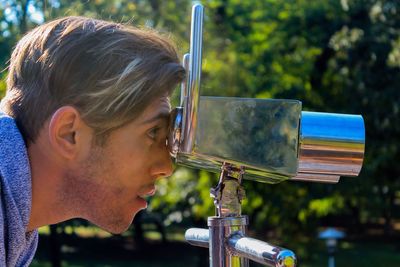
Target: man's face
{"x":113,"y":179}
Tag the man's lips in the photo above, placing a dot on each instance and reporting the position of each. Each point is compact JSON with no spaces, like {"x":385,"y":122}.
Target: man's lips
{"x":149,"y":192}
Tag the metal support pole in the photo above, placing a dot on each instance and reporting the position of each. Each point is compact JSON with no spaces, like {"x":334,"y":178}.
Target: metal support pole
{"x":220,"y":231}
{"x":228,"y":195}
{"x":226,"y":236}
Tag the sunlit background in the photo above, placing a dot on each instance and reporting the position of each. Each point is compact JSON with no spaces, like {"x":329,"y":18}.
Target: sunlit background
{"x":338,"y":56}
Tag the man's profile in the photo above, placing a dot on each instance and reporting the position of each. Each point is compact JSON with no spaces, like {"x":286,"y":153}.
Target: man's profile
{"x":83,"y":128}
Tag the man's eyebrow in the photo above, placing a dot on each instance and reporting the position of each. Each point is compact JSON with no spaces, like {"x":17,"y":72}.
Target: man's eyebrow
{"x":163,"y":115}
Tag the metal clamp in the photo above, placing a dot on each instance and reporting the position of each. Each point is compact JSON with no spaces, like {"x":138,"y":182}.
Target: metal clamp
{"x":228,"y":194}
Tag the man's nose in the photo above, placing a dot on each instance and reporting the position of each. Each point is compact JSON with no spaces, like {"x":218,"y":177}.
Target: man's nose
{"x":163,"y":165}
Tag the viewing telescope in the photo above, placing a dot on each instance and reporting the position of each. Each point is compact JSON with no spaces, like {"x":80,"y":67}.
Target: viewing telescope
{"x":272,"y":140}
{"x":265,"y":140}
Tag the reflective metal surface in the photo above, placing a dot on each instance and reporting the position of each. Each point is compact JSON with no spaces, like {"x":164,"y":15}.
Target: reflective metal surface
{"x":198,"y":237}
{"x":331,"y":144}
{"x":228,"y":245}
{"x":220,"y":230}
{"x":260,"y":135}
{"x":272,"y":140}
{"x":184,"y":84}
{"x":229,"y":193}
{"x":175,"y":131}
{"x":261,"y":252}
{"x":312,"y":177}
{"x":239,"y":245}
{"x":193,"y":81}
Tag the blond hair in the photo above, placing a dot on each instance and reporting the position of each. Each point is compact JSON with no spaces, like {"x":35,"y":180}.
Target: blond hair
{"x":110,"y":72}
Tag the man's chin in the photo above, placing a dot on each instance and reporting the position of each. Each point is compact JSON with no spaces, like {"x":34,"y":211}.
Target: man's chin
{"x":116,"y":230}
{"x":116,"y":227}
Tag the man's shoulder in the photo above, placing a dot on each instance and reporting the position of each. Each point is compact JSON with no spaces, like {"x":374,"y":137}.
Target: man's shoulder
{"x":7,"y":124}
{"x":2,"y":225}
{"x":5,"y":118}
{"x":9,"y":131}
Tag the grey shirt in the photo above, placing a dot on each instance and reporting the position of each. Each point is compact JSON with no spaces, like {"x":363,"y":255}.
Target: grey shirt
{"x":17,"y":247}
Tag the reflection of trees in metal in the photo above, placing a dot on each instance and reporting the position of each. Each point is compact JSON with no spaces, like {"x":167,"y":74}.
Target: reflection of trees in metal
{"x":260,"y":134}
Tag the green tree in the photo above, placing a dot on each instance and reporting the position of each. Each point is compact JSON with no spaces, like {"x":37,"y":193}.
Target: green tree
{"x":334,"y":56}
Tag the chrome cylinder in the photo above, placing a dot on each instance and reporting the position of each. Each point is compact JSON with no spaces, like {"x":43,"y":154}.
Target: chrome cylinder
{"x":331,"y":145}
{"x":220,"y":230}
{"x":193,"y":82}
{"x":260,"y":251}
{"x":198,"y":237}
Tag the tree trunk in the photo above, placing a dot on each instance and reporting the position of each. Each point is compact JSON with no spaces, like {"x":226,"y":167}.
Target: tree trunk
{"x":388,"y":227}
{"x":23,"y":24}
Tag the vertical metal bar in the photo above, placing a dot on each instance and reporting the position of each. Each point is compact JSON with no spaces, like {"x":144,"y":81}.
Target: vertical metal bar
{"x":190,"y":109}
{"x":216,"y":247}
{"x":184,"y":85}
{"x":220,"y":230}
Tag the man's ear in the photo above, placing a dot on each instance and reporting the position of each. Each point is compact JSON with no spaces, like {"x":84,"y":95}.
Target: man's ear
{"x":68,"y":133}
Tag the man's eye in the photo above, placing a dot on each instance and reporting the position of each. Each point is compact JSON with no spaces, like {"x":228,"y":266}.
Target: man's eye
{"x":153,"y":132}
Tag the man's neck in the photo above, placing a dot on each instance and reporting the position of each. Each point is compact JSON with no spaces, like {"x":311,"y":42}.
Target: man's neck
{"x":48,"y":203}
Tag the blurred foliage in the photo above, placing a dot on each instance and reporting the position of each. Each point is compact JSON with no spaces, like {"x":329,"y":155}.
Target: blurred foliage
{"x":334,"y":55}
{"x":2,"y":84}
